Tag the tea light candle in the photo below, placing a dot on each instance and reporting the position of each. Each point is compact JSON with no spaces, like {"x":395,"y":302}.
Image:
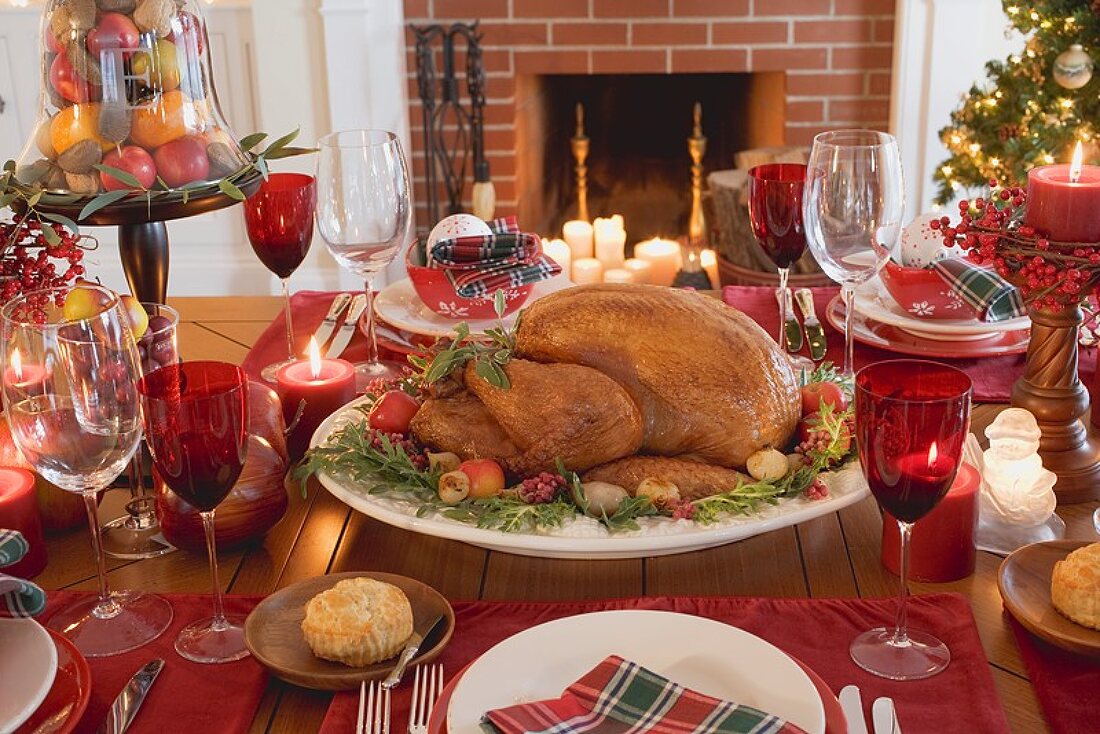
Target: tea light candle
{"x":26,"y":377}
{"x":942,"y":544}
{"x":19,"y":511}
{"x":587,"y":270}
{"x":1063,"y":201}
{"x":640,"y":270}
{"x":578,"y":235}
{"x":617,"y":275}
{"x":610,"y":242}
{"x":323,"y":385}
{"x":560,"y":253}
{"x":709,"y":260}
{"x":663,"y":257}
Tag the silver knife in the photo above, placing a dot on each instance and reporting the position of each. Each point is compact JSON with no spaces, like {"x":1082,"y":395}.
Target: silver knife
{"x":126,"y":706}
{"x":884,"y":716}
{"x":852,"y":705}
{"x":347,"y":330}
{"x":815,"y":333}
{"x":324,"y":331}
{"x":792,"y":330}
{"x":411,"y":648}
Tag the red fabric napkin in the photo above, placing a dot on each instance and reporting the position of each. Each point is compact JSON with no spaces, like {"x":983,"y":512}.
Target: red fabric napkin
{"x":992,"y":376}
{"x":1067,"y":685}
{"x":816,"y":631}
{"x":187,"y":697}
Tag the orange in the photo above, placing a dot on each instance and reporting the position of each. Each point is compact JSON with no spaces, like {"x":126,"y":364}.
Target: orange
{"x":75,"y":123}
{"x":163,"y":121}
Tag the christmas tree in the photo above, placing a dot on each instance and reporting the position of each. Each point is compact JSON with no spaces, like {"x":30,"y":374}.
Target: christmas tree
{"x":1034,"y":106}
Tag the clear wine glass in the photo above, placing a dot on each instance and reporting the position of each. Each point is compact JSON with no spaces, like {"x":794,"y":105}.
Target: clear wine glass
{"x":70,"y":397}
{"x":912,"y":419}
{"x":196,"y":418}
{"x":852,"y":210}
{"x":364,"y":214}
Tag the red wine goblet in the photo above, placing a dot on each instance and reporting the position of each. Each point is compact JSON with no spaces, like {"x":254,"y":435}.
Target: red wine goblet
{"x":279,"y":218}
{"x":196,"y":424}
{"x":775,"y":212}
{"x":912,"y":418}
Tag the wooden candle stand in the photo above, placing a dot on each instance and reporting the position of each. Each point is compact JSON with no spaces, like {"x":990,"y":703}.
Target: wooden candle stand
{"x":1051,"y":390}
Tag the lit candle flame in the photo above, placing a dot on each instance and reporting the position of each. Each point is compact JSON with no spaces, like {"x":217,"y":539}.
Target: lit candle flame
{"x":1075,"y":166}
{"x":932,"y":454}
{"x":17,"y":365}
{"x":314,"y":358}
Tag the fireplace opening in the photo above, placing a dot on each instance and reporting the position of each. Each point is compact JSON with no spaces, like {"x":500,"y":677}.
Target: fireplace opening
{"x":638,"y":126}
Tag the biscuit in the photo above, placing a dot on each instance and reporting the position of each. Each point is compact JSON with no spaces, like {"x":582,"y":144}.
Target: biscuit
{"x":1075,"y":586}
{"x":358,"y":622}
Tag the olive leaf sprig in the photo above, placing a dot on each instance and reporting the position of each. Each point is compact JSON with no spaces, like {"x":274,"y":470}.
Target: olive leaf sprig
{"x":489,"y":353}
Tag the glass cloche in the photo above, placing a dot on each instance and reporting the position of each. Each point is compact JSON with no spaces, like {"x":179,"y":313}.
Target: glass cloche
{"x":127,"y":83}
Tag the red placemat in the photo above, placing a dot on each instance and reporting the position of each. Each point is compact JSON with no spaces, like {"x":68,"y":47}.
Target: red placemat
{"x":187,"y":697}
{"x":816,"y":631}
{"x":1067,"y":685}
{"x":992,"y":376}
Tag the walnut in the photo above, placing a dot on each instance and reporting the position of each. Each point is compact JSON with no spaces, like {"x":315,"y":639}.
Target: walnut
{"x":30,"y":174}
{"x":55,"y":180}
{"x":83,"y":183}
{"x":155,"y":16}
{"x":114,"y":122}
{"x":83,"y":63}
{"x":117,"y":6}
{"x":82,"y":14}
{"x":222,"y":160}
{"x":80,"y":157}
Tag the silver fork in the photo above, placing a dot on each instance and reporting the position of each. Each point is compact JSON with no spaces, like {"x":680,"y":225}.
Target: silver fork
{"x":374,"y":709}
{"x":425,"y":692}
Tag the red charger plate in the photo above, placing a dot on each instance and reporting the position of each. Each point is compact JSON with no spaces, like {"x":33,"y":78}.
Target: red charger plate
{"x":835,"y":723}
{"x":63,"y":706}
{"x":883,"y":336}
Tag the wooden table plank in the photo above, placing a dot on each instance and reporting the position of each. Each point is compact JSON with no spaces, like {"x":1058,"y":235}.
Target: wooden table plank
{"x":523,"y":578}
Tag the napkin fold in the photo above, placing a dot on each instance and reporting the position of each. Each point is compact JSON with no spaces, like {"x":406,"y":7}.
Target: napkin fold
{"x":993,"y":297}
{"x":620,"y":696}
{"x":18,"y":598}
{"x":479,"y":265}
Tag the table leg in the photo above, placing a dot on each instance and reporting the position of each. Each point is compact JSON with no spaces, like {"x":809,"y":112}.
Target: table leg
{"x":144,"y":251}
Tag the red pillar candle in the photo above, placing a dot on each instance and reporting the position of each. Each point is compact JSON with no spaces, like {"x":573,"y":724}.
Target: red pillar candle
{"x":1063,"y":201}
{"x":942,"y":546}
{"x":322,"y":386}
{"x":19,"y":511}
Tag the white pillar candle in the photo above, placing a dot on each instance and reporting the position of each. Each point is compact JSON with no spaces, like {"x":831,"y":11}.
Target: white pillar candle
{"x":663,"y":257}
{"x":618,"y":275}
{"x":560,"y":253}
{"x":640,"y":270}
{"x":610,"y":242}
{"x":709,"y":261}
{"x":578,"y":234}
{"x":587,"y":270}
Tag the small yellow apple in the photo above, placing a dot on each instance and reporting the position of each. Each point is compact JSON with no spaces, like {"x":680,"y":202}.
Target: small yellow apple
{"x":83,"y":303}
{"x":139,"y":319}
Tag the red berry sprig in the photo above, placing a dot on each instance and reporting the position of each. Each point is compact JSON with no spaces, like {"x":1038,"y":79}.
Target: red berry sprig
{"x":29,"y":262}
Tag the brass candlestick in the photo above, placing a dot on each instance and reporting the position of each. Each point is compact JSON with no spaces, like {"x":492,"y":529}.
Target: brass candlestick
{"x":697,"y":148}
{"x":579,"y":144}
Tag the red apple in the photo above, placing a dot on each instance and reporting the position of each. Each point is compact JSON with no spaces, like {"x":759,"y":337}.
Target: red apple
{"x":486,"y":477}
{"x":114,"y":30}
{"x":393,"y":412}
{"x":182,"y":161}
{"x":69,"y":84}
{"x":816,"y":393}
{"x":52,"y":44}
{"x":134,"y":160}
{"x":187,"y":32}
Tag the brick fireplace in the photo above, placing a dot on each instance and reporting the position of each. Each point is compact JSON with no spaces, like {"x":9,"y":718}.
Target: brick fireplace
{"x":832,"y":58}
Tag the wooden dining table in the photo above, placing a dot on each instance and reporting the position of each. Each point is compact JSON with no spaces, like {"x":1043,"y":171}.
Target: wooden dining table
{"x":832,"y":556}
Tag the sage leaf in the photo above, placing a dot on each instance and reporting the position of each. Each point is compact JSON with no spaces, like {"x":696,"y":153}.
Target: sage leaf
{"x":123,"y":176}
{"x":248,"y":142}
{"x":62,"y":220}
{"x":499,"y":303}
{"x":230,"y":189}
{"x":51,"y":236}
{"x":101,"y":201}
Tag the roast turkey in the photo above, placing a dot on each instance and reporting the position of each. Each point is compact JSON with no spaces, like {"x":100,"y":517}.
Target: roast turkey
{"x":609,"y":371}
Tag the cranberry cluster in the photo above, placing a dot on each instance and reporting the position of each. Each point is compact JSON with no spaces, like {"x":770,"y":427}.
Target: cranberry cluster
{"x":541,"y":489}
{"x":817,"y":490}
{"x":30,"y":263}
{"x":1050,"y":274}
{"x":415,"y":453}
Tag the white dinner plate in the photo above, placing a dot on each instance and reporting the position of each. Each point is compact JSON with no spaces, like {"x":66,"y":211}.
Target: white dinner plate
{"x":398,"y":305}
{"x":584,"y":537}
{"x":875,"y":302}
{"x":710,"y":657}
{"x":28,"y":664}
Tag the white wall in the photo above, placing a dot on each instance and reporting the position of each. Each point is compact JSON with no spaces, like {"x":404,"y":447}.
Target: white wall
{"x":940,"y":50}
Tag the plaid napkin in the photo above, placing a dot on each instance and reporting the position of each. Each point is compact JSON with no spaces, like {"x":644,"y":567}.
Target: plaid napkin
{"x":620,"y":696}
{"x":480,"y":265}
{"x":18,"y":598}
{"x":992,"y":296}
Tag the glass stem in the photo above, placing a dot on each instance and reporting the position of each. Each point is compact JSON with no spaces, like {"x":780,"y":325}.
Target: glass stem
{"x":289,"y":320}
{"x":848,"y":293}
{"x":901,"y":627}
{"x":781,"y":294}
{"x":107,"y":607}
{"x":219,"y":611}
{"x":368,"y":322}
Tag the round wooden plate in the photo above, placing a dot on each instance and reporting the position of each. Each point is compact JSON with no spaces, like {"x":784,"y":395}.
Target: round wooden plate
{"x":273,"y":632}
{"x":1024,"y":581}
